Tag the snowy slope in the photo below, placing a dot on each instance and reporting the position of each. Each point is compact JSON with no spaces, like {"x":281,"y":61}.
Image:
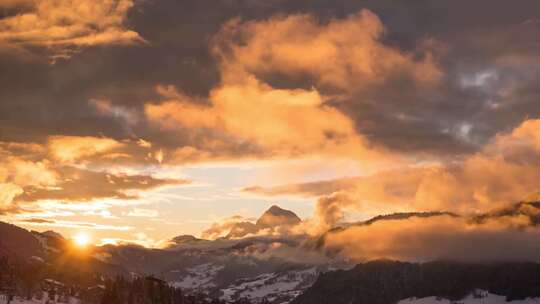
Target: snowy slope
{"x":480,"y":297}
{"x":18,"y":300}
{"x":198,"y":277}
{"x":276,"y":287}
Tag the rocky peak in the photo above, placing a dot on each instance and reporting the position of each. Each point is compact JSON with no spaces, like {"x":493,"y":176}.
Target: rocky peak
{"x":52,"y":234}
{"x":276,"y":216}
{"x":182,"y":239}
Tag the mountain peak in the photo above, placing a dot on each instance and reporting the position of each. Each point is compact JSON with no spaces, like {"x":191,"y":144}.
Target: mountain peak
{"x":186,"y":238}
{"x":53,"y":234}
{"x":277,"y":216}
{"x":275,"y":209}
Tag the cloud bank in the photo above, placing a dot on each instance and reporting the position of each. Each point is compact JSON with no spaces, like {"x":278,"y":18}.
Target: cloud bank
{"x":63,"y":27}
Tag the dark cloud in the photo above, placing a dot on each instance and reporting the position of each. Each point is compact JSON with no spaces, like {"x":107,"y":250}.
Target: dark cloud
{"x":84,"y":185}
{"x":38,"y":221}
{"x":39,"y":99}
{"x":317,"y":188}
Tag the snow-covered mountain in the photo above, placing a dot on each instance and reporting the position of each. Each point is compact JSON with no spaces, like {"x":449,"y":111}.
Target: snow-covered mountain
{"x":221,"y":269}
{"x":229,"y":268}
{"x":477,"y":297}
{"x":281,"y":267}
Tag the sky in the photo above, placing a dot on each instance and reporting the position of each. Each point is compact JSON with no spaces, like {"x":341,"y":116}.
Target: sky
{"x":140,"y":120}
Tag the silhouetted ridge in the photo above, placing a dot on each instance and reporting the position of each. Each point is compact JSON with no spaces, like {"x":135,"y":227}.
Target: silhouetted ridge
{"x":319,"y":242}
{"x":387,"y":282}
{"x":16,"y":241}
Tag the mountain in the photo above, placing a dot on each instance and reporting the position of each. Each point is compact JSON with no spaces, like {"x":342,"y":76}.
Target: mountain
{"x":54,"y":250}
{"x":223,"y":268}
{"x":273,"y":219}
{"x":185,"y":239}
{"x":479,"y":296}
{"x":276,"y":216}
{"x":16,"y":241}
{"x":232,"y":267}
{"x":388,"y":282}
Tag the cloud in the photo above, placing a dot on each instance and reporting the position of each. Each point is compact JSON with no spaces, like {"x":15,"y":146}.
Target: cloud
{"x":9,"y":4}
{"x":29,"y":173}
{"x":86,"y":185}
{"x":246,"y":112}
{"x":139,"y":239}
{"x":63,"y":27}
{"x":505,"y":171}
{"x":17,"y":172}
{"x":37,"y":221}
{"x":71,"y":148}
{"x":345,"y":54}
{"x":141,"y":212}
{"x":71,"y":169}
{"x":106,"y":108}
{"x":277,"y":121}
{"x":73,"y":224}
{"x":8,"y":192}
{"x":437,"y":237}
{"x":330,"y":210}
{"x":232,"y":227}
{"x":102,"y":152}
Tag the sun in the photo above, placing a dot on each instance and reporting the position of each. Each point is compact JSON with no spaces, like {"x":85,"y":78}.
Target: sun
{"x":81,"y":239}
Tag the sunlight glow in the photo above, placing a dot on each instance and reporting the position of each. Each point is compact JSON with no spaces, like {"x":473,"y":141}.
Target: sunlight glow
{"x":81,"y":239}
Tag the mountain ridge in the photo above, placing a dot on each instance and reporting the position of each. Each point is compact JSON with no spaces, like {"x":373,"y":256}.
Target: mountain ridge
{"x":387,"y":282}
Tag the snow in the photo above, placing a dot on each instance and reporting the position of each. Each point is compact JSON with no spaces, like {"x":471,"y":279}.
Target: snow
{"x":18,"y":300}
{"x":44,"y":243}
{"x":102,"y":256}
{"x":198,"y":277}
{"x":54,"y":282}
{"x":482,"y":297}
{"x":286,"y":286}
{"x":37,"y":259}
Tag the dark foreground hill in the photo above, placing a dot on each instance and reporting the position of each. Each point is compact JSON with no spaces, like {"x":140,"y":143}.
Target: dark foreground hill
{"x":17,"y":241}
{"x":387,"y":282}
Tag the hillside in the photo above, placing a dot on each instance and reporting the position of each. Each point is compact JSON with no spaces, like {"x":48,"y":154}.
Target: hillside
{"x":16,"y":241}
{"x":387,"y":282}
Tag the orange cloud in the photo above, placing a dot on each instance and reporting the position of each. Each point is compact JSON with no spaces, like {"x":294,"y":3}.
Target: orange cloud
{"x":277,"y":120}
{"x":72,"y":148}
{"x":437,"y":237}
{"x":65,"y":26}
{"x":84,"y":185}
{"x":17,"y":173}
{"x":505,"y":171}
{"x":67,"y":168}
{"x":246,"y":112}
{"x":346,"y":54}
{"x":232,"y":227}
{"x":8,"y":192}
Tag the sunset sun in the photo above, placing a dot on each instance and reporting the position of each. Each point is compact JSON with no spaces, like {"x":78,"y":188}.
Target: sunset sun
{"x":81,"y":239}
